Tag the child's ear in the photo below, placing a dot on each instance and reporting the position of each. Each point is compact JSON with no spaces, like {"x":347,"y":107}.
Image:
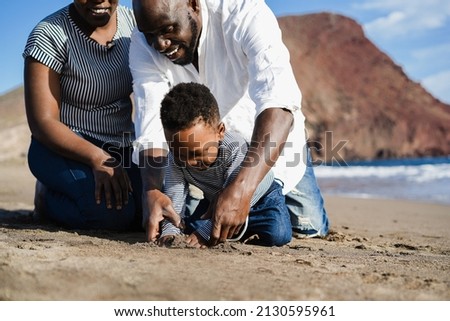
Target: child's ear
{"x":221,"y":130}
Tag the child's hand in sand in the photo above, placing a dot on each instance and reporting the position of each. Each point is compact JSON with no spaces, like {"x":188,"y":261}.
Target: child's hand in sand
{"x":166,"y":240}
{"x":195,"y":240}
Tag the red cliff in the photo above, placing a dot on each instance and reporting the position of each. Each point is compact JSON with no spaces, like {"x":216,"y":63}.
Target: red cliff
{"x":359,"y":95}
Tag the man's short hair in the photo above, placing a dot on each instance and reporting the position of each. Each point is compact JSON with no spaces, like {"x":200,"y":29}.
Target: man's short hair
{"x":186,"y":104}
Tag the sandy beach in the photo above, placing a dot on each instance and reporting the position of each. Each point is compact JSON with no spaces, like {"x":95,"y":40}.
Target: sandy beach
{"x":377,"y":250}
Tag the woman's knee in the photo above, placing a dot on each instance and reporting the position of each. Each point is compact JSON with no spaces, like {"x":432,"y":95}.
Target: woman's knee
{"x":87,"y":215}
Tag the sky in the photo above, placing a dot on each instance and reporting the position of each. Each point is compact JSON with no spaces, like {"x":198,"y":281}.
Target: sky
{"x":414,"y":33}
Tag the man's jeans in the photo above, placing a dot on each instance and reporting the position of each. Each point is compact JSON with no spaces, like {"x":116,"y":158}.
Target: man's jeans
{"x":306,"y":208}
{"x":268,"y":219}
{"x":69,"y":199}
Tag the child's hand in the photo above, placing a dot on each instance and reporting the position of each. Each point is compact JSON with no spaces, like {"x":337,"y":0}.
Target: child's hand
{"x":166,"y":240}
{"x":195,"y":240}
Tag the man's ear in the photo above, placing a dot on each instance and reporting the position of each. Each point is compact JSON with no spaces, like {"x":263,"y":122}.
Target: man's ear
{"x":221,"y":130}
{"x":195,"y":5}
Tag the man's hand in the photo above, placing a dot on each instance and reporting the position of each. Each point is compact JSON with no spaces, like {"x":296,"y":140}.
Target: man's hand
{"x":157,"y":207}
{"x":228,"y":213}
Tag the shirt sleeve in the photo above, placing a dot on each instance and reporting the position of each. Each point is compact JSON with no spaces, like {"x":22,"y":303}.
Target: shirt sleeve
{"x":204,"y":229}
{"x":167,"y":228}
{"x":271,"y":79}
{"x":47,"y":43}
{"x":272,"y":83}
{"x":176,"y":187}
{"x":149,"y":86}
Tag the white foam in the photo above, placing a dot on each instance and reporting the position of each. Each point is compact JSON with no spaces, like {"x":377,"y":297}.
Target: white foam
{"x":415,"y":173}
{"x":427,"y":182}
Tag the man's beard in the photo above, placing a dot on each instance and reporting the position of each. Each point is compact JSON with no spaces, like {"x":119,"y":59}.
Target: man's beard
{"x":190,"y":50}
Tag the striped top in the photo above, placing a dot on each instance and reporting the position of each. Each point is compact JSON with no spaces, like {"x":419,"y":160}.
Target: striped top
{"x":232,"y":151}
{"x":96,"y":82}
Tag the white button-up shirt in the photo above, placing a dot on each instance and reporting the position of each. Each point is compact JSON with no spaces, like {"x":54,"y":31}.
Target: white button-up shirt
{"x":244,"y":63}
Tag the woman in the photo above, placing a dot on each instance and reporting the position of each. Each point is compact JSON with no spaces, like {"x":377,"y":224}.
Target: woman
{"x":77,"y":95}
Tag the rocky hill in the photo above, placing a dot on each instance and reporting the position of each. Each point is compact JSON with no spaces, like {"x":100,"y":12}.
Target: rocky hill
{"x":358,"y":103}
{"x":358,"y":95}
{"x":14,"y":132}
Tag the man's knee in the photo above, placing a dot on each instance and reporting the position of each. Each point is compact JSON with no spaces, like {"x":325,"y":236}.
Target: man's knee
{"x":307,"y":212}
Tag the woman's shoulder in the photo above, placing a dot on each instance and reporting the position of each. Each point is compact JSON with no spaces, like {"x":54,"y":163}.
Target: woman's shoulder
{"x":47,"y":40}
{"x":57,"y":17}
{"x":54,"y":23}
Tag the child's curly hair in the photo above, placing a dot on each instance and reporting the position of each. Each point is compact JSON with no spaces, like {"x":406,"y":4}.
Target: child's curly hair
{"x":186,"y":104}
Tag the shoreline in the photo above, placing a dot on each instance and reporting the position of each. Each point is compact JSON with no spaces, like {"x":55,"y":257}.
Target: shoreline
{"x":21,"y":189}
{"x":383,"y":198}
{"x":404,"y":179}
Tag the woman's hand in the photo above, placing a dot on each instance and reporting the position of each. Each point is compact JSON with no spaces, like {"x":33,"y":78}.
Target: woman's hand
{"x":112,"y":180}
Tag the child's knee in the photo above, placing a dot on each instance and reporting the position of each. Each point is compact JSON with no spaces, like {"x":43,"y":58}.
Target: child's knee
{"x":280,"y":237}
{"x":276,"y":235}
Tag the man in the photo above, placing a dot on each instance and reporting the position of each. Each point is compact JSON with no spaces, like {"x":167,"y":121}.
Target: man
{"x":235,"y":48}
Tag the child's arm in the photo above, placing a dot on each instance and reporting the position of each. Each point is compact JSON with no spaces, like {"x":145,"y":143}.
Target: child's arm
{"x":176,"y":188}
{"x":167,"y":228}
{"x":168,"y":233}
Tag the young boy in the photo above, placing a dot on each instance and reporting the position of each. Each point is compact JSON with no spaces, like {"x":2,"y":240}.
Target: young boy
{"x":204,"y":155}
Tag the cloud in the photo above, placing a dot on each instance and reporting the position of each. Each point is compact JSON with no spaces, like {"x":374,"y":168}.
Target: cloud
{"x":434,"y":52}
{"x":430,"y":59}
{"x":403,"y":17}
{"x":415,"y":33}
{"x":439,"y":85}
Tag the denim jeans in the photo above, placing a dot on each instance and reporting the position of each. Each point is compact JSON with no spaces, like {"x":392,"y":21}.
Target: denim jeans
{"x":268,"y":219}
{"x":69,"y":199}
{"x":306,"y":207}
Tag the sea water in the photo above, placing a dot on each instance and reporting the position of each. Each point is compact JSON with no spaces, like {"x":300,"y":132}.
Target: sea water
{"x":420,"y":179}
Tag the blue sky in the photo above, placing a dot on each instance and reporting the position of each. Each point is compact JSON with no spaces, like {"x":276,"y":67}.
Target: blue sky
{"x":414,"y":33}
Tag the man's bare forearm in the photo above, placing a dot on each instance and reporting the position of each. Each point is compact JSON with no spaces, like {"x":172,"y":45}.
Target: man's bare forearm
{"x":269,"y":137}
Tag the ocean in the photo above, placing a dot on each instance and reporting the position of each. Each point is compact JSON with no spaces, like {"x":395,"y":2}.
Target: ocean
{"x":418,"y":179}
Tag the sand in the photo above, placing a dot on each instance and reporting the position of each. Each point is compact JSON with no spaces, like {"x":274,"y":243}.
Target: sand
{"x":377,"y":250}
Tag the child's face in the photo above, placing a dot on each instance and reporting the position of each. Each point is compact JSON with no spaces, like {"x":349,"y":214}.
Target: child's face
{"x":196,"y":146}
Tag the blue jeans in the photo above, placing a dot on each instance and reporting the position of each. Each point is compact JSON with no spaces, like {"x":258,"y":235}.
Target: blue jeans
{"x":268,"y":219}
{"x":306,"y":207}
{"x":69,"y":199}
